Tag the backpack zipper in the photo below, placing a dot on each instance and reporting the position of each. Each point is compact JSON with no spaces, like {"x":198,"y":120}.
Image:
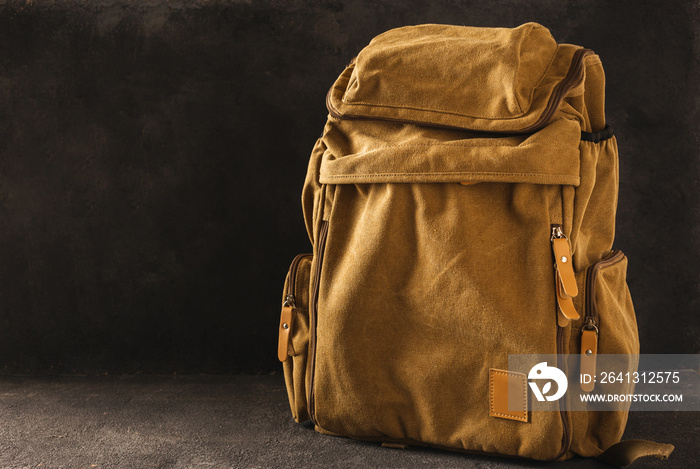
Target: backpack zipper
{"x":572,"y":78}
{"x":591,"y":316}
{"x":589,"y":330}
{"x":320,"y":249}
{"x":563,"y":413}
{"x":289,"y":299}
{"x":564,"y":307}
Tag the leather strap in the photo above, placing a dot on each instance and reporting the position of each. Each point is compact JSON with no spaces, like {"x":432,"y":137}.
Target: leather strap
{"x":564,"y":278}
{"x":567,"y":310}
{"x":626,"y":452}
{"x":565,"y":269}
{"x":286,"y":322}
{"x":589,"y":350}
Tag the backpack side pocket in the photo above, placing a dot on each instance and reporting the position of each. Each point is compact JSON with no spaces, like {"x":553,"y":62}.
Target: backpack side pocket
{"x":609,"y":312}
{"x":293,"y":343}
{"x":609,"y":326}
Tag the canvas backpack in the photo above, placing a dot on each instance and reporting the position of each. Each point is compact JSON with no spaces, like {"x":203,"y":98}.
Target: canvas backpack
{"x":461,"y":205}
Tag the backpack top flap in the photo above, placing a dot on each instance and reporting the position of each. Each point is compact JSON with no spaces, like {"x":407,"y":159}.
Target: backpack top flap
{"x":375,"y":152}
{"x":483,"y":79}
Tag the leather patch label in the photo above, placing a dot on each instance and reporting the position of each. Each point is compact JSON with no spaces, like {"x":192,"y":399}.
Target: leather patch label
{"x":508,"y":395}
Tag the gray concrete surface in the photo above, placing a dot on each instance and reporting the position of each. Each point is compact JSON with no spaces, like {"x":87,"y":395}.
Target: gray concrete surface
{"x":239,"y":421}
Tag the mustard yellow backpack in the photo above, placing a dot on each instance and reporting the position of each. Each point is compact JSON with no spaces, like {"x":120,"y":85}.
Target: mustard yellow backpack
{"x":461,"y":205}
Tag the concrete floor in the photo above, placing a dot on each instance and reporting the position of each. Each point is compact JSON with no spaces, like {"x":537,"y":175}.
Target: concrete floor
{"x":227,"y":421}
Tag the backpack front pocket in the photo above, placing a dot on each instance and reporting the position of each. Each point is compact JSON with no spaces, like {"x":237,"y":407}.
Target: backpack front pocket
{"x":294,"y":334}
{"x":427,"y":227}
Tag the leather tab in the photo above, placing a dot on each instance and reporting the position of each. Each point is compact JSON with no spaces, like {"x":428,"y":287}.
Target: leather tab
{"x":567,"y":311}
{"x":286,"y":319}
{"x":508,"y":395}
{"x":589,"y":350}
{"x":565,"y":266}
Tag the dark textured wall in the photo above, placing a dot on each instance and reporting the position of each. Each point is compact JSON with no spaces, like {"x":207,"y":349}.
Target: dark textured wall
{"x":152,"y":156}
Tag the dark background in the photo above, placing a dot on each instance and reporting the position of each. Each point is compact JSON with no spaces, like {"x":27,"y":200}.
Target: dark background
{"x":152,"y":156}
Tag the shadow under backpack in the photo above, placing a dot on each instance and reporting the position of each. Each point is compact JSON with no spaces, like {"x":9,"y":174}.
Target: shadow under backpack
{"x":461,"y":205}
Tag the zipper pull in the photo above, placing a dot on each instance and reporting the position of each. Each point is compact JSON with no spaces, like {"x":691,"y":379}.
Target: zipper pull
{"x":285,"y":330}
{"x":589,"y":350}
{"x":567,"y":310}
{"x":565,"y":280}
{"x":564,"y":263}
{"x":289,"y":301}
